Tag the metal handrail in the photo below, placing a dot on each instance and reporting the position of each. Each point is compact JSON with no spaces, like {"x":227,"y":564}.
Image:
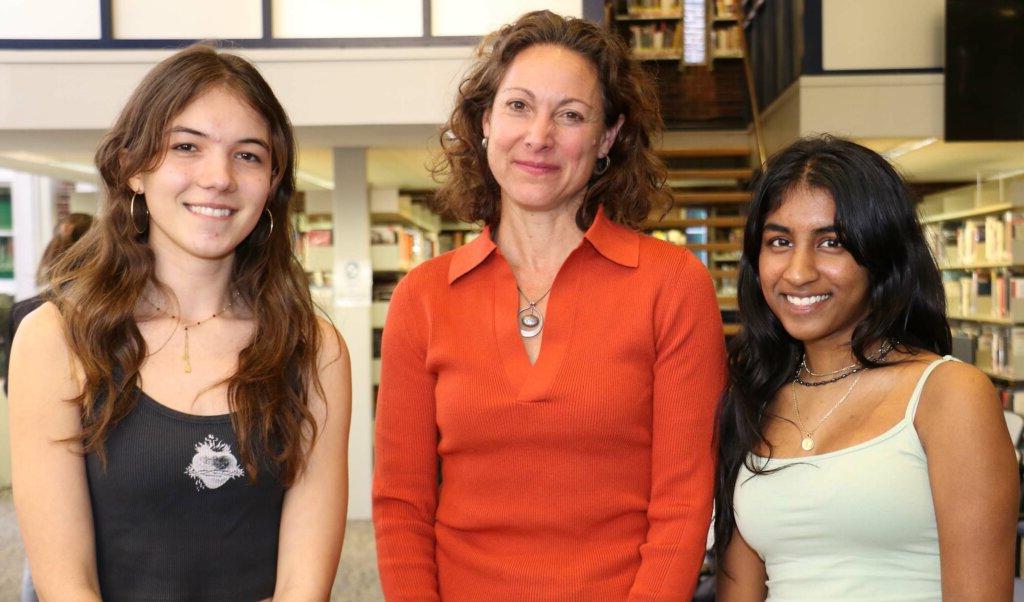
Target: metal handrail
{"x":755,"y":111}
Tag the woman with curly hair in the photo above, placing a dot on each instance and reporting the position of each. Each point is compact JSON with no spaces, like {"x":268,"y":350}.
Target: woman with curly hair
{"x":544,"y":419}
{"x":179,"y":415}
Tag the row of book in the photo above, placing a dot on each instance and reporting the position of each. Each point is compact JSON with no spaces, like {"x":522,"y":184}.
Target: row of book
{"x":726,"y":8}
{"x":995,"y":293}
{"x":996,"y":238}
{"x":994,"y":349}
{"x":652,"y":8}
{"x":727,"y":41}
{"x":661,"y":36}
{"x":449,"y":241}
{"x":396,"y":247}
{"x":1011,"y":398}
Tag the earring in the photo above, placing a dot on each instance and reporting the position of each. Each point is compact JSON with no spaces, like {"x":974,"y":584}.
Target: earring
{"x":601,"y":167}
{"x":271,"y":231}
{"x":131,"y":211}
{"x":483,"y":142}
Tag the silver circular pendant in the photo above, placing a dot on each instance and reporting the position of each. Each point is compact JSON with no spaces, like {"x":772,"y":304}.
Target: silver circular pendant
{"x":807,"y":444}
{"x":530,"y":323}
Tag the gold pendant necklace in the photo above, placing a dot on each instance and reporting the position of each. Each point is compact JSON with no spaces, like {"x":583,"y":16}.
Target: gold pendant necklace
{"x":807,"y":441}
{"x":185,"y":356}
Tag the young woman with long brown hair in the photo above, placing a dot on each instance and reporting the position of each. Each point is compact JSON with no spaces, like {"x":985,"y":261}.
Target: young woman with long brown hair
{"x":179,"y":415}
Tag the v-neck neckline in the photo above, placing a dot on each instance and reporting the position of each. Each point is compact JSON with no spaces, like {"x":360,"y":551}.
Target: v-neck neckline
{"x":533,"y":381}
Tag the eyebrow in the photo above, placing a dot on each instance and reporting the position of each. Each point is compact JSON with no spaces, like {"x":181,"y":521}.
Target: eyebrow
{"x":784,"y":230}
{"x":180,"y":129}
{"x":563,"y":102}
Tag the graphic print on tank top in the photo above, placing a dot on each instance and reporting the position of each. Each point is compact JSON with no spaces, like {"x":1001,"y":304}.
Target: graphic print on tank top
{"x":213,"y":465}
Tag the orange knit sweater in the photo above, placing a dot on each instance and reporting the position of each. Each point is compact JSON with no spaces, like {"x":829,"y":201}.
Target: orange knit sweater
{"x":587,"y":476}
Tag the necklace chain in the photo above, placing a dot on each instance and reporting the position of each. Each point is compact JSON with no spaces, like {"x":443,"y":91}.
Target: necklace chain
{"x":807,"y":441}
{"x":531,"y":320}
{"x":842,"y":372}
{"x":186,"y":356}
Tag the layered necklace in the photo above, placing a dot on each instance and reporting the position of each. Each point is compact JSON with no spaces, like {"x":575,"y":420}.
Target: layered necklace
{"x":185,"y":356}
{"x":807,"y":435}
{"x":531,"y":320}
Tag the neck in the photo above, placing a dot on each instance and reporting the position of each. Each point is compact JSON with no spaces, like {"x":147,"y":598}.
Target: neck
{"x":826,"y":356}
{"x":200,"y":288}
{"x":537,"y":241}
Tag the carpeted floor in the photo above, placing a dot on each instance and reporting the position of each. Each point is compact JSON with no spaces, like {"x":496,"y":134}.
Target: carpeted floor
{"x":356,"y":581}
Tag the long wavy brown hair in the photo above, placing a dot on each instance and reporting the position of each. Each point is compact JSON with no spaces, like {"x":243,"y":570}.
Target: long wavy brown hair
{"x":98,"y":283}
{"x":634,"y":182}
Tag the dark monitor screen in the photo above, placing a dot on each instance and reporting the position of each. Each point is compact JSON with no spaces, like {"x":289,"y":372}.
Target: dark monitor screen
{"x":984,"y":70}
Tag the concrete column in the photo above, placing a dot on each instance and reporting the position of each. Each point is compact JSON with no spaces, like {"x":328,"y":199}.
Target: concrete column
{"x":353,"y":282}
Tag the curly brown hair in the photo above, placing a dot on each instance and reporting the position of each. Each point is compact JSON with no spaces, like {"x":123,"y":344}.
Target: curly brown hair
{"x":635,"y":179}
{"x":97,"y":284}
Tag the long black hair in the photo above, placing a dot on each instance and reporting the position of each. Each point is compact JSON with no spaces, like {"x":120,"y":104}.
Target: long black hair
{"x":876,"y":222}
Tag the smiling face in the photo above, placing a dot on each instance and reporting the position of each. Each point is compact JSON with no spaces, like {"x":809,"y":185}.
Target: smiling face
{"x":546,"y":129}
{"x":208,"y":192}
{"x":810,"y":281}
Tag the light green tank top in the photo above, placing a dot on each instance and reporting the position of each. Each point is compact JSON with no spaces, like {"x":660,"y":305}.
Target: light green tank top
{"x":856,"y":524}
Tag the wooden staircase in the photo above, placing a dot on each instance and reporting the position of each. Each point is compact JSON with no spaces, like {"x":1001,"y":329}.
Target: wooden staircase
{"x":710,"y":191}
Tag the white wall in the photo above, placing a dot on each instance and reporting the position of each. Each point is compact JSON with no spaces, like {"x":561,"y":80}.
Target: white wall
{"x":318,"y":87}
{"x":873,"y":106}
{"x":882,"y":34}
{"x":462,"y":18}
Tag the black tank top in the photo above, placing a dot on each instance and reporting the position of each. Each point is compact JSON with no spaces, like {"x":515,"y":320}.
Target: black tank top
{"x":175,"y":514}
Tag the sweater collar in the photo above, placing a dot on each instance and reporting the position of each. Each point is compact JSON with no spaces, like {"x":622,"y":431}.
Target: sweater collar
{"x":613,"y":241}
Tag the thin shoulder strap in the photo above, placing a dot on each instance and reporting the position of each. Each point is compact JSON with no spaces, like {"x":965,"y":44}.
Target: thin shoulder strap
{"x":915,"y":398}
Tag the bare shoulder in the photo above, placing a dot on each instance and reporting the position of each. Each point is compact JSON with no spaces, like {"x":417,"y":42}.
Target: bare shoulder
{"x":958,"y":395}
{"x":43,"y":325}
{"x":41,"y":343}
{"x":44,"y":374}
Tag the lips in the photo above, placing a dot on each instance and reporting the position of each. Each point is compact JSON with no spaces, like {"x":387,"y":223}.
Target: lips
{"x":215,"y":211}
{"x":807,"y":300}
{"x":536,"y":168}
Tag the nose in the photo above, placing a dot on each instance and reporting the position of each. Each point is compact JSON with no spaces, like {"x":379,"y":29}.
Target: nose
{"x":801,"y":268}
{"x":217,"y":172}
{"x":538,"y":136}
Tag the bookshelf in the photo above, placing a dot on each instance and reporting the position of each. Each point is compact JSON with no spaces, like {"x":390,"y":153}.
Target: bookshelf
{"x":976,"y":235}
{"x":725,"y":41}
{"x":710,"y":198}
{"x":404,"y":232}
{"x":653,"y":28}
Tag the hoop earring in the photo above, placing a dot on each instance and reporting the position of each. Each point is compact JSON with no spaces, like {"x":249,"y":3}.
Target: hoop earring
{"x":601,"y":167}
{"x":131,"y":212}
{"x":271,"y":231}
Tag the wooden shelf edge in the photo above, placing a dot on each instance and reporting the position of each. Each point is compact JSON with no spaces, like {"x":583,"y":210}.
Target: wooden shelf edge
{"x":976,"y":212}
{"x":692,"y":153}
{"x":981,"y":266}
{"x":710,"y":222}
{"x":1012,"y":378}
{"x":984,"y":319}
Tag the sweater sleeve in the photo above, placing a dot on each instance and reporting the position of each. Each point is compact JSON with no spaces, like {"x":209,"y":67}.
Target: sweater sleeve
{"x":689,"y":377}
{"x":405,"y":453}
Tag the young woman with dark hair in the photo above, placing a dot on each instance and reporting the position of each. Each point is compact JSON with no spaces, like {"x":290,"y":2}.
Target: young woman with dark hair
{"x":181,"y":356}
{"x":856,"y":462}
